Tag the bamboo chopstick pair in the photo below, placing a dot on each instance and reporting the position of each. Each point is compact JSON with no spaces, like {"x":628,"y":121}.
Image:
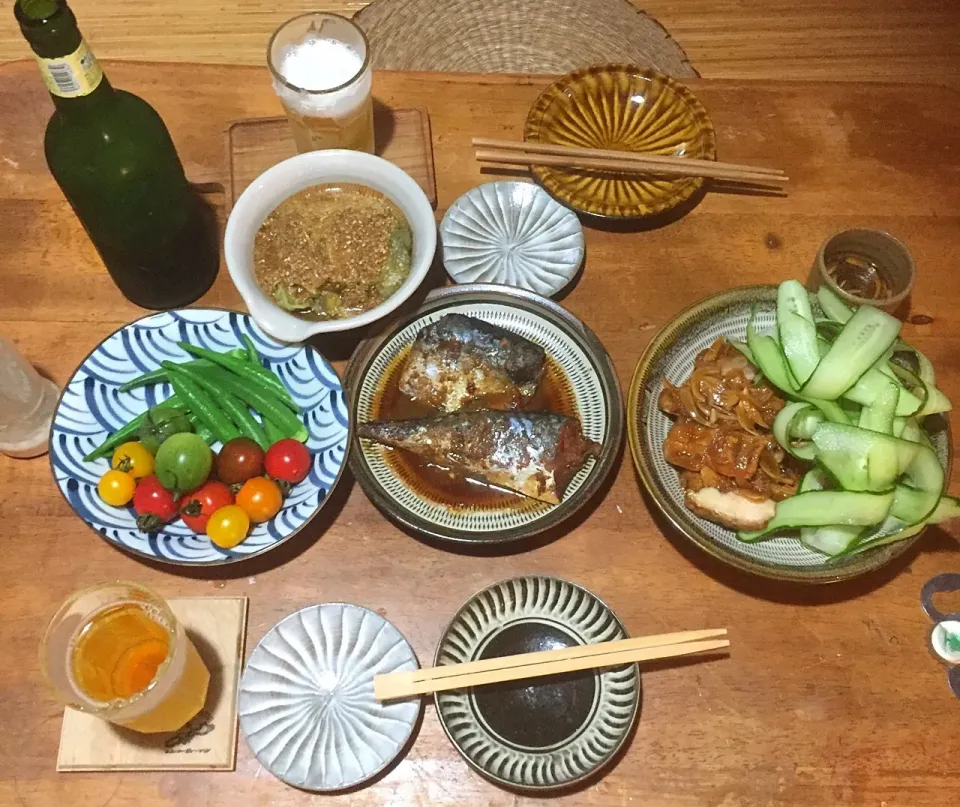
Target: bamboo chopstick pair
{"x":530,"y":153}
{"x":549,"y":662}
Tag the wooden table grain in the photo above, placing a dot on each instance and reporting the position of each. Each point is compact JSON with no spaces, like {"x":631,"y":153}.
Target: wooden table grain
{"x":814,"y":40}
{"x":829,"y":696}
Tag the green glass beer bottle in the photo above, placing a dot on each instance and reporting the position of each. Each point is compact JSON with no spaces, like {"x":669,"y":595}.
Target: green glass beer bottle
{"x":113,"y":158}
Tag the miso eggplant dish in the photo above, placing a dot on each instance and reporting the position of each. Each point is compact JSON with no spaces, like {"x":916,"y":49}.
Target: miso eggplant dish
{"x":815,"y":430}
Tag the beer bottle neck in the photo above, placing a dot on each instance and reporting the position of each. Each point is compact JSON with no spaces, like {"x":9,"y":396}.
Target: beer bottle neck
{"x":69,"y":69}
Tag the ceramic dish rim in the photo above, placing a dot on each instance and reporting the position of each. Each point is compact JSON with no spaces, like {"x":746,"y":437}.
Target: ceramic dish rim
{"x":706,"y":130}
{"x":620,"y":742}
{"x":812,"y":575}
{"x":136,"y":553}
{"x":565,"y":210}
{"x":406,"y":739}
{"x":492,"y":293}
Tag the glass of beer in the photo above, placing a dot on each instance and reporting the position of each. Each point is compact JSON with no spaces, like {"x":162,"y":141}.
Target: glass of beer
{"x":117,"y":651}
{"x":321,"y":71}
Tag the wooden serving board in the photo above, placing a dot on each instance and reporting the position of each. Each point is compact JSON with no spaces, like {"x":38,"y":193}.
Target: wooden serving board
{"x":829,"y":696}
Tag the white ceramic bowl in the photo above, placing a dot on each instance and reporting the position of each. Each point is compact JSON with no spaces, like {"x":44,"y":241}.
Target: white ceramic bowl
{"x":292,"y":175}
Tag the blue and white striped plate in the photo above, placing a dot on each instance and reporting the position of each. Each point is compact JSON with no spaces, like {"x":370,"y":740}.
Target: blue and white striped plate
{"x":91,"y":408}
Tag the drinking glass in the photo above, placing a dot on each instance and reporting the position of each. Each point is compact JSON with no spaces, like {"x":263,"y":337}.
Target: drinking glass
{"x":321,"y":72}
{"x":116,"y":650}
{"x":27,"y":401}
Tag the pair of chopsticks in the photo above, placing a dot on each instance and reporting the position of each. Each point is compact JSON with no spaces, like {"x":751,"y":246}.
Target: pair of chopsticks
{"x":548,"y":662}
{"x":631,"y":162}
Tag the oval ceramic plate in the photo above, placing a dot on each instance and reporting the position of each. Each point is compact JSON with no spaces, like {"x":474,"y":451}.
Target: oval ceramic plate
{"x":306,"y":701}
{"x":670,"y":355}
{"x":581,"y":362}
{"x":627,"y":108}
{"x":514,"y":234}
{"x":91,"y":407}
{"x":543,"y":733}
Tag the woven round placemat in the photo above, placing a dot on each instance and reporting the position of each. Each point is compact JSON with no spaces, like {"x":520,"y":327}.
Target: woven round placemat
{"x":516,"y":36}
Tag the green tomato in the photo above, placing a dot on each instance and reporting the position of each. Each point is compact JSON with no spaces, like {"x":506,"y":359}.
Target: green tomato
{"x":162,"y":422}
{"x":183,"y":462}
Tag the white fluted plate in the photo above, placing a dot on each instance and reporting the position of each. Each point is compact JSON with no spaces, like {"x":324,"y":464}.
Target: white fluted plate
{"x":306,"y":701}
{"x":514,"y":234}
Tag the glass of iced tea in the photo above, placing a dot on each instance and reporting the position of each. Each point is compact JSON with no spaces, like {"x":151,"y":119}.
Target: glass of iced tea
{"x":321,"y":71}
{"x":117,"y":651}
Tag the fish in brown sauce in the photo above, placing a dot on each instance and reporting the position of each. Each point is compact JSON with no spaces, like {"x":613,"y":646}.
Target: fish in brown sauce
{"x":460,"y":361}
{"x":732,"y":469}
{"x":533,"y":454}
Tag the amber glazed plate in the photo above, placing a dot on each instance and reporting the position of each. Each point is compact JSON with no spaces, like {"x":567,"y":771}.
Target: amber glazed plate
{"x":670,"y":356}
{"x":628,"y":108}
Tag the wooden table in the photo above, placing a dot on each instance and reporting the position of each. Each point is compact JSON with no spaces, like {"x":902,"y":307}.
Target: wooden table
{"x":829,"y":695}
{"x":812,"y":40}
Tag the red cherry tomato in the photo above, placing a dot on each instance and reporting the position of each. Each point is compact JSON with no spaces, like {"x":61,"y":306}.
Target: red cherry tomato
{"x":288,"y":460}
{"x":197,"y":506}
{"x":153,"y":504}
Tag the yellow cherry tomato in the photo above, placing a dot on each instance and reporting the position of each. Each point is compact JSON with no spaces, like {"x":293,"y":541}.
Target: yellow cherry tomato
{"x":261,"y":498}
{"x":134,"y":459}
{"x":116,"y":488}
{"x":228,"y":526}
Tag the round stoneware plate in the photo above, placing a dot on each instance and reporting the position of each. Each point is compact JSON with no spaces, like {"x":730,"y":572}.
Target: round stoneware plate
{"x":578,"y":362}
{"x":670,"y":355}
{"x":91,"y":407}
{"x":514,"y":234}
{"x":306,"y":701}
{"x":625,"y":108}
{"x":542,"y":733}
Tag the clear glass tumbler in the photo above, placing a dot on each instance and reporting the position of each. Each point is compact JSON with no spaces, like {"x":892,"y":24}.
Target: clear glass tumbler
{"x":321,"y":71}
{"x":116,"y":650}
{"x":27,"y":403}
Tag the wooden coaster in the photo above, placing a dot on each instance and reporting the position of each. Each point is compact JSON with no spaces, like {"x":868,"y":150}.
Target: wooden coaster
{"x":402,"y":137}
{"x":217,"y":626}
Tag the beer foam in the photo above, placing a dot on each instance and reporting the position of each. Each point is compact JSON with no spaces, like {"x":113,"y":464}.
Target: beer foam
{"x":319,"y":64}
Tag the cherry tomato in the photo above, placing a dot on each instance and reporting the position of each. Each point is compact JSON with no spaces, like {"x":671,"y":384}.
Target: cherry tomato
{"x":239,"y":460}
{"x":116,"y":488}
{"x":228,"y":526}
{"x":183,"y":462}
{"x":260,"y":498}
{"x":197,"y":506}
{"x":134,"y":459}
{"x":154,"y":505}
{"x":288,"y":460}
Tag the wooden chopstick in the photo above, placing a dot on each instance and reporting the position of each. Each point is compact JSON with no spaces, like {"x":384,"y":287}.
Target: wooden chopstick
{"x":633,"y":156}
{"x":673,"y":169}
{"x":549,"y":662}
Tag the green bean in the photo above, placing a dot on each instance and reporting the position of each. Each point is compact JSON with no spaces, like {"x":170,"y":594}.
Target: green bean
{"x":274,"y":432}
{"x":128,"y":431}
{"x":253,"y":355}
{"x":234,"y":409}
{"x":158,"y":375}
{"x":257,"y":398}
{"x":202,"y":430}
{"x":241,"y":368}
{"x":201,"y":404}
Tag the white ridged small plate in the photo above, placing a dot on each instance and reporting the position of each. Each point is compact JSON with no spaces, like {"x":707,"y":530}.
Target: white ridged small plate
{"x":306,"y":700}
{"x":513,"y":234}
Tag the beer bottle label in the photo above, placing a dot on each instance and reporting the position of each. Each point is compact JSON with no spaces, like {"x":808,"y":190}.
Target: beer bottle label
{"x":73,"y":75}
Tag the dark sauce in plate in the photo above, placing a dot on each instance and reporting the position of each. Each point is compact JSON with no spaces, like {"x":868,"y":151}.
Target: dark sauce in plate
{"x":444,"y":487}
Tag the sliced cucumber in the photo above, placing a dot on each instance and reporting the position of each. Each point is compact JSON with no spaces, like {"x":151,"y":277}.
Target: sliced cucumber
{"x":823,"y":508}
{"x":862,"y":460}
{"x":865,"y":338}
{"x":835,"y":308}
{"x":948,"y":507}
{"x":787,"y":427}
{"x":878,"y":416}
{"x":798,"y":334}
